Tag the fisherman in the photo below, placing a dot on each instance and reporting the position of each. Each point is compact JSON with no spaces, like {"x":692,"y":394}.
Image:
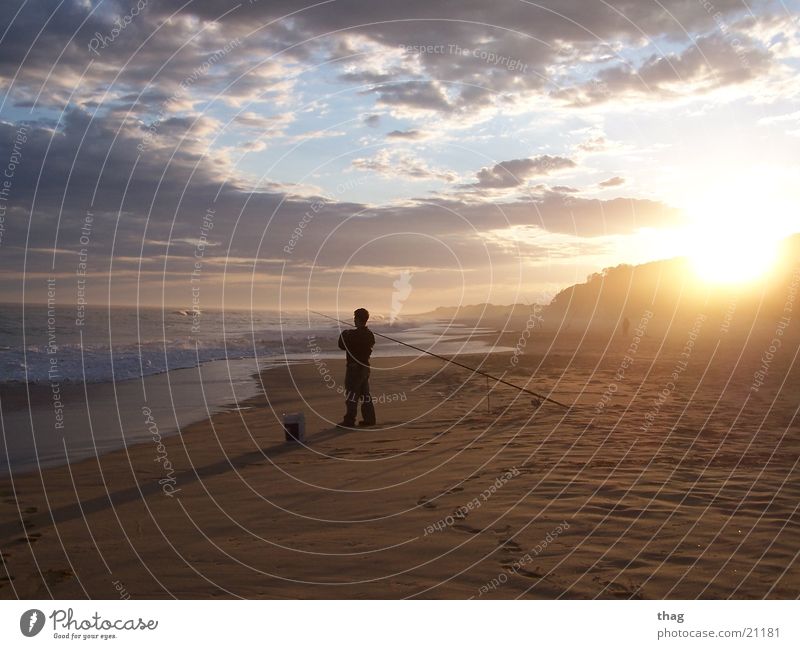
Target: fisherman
{"x":358,"y":344}
{"x":363,"y":315}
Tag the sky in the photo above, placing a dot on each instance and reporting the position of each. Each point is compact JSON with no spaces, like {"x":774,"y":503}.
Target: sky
{"x":274,"y":154}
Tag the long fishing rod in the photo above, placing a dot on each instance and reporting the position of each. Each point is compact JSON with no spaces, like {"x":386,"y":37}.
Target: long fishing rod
{"x":450,"y":360}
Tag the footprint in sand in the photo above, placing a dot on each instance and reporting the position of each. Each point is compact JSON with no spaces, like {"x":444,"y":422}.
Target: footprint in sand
{"x":55,"y":577}
{"x":519,"y":570}
{"x":340,"y":451}
{"x":454,"y":490}
{"x":30,"y":510}
{"x":509,"y":546}
{"x":531,"y":574}
{"x":30,"y":538}
{"x":618,"y":590}
{"x":467,"y":528}
{"x":426,"y":503}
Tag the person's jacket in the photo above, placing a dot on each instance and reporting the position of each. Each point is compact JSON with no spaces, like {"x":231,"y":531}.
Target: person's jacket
{"x":358,"y":344}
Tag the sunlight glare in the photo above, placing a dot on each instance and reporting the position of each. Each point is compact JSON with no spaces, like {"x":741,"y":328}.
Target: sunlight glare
{"x":735,"y":229}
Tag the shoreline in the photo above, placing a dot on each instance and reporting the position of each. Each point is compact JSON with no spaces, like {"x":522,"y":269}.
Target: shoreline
{"x":31,"y":407}
{"x":181,"y":397}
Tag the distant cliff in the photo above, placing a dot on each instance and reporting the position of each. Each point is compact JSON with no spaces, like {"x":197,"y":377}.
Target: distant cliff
{"x":669,"y":289}
{"x":673,"y":293}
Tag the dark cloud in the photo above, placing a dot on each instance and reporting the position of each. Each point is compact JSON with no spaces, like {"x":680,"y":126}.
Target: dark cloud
{"x":272,"y":124}
{"x":616,"y":181}
{"x":593,"y":217}
{"x":405,"y":135}
{"x":472,"y":44}
{"x":419,"y":95}
{"x":475,"y":43}
{"x":150,"y":64}
{"x":513,"y":173}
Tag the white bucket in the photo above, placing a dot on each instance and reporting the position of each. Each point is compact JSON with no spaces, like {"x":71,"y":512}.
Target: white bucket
{"x":294,"y":426}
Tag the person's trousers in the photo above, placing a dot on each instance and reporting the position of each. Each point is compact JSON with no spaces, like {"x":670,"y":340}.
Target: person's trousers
{"x":356,"y":387}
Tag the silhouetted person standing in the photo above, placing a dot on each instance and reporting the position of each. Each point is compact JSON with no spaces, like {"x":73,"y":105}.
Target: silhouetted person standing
{"x":358,"y":344}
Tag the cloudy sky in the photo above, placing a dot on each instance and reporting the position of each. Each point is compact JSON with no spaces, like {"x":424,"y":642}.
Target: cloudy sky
{"x":283,"y":154}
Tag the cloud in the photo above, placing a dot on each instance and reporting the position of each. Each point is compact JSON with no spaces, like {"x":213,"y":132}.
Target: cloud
{"x":405,"y":135}
{"x":157,"y":63}
{"x":594,"y":144}
{"x":273,"y":124}
{"x":466,"y":47}
{"x":616,"y":181}
{"x":169,"y":55}
{"x":422,"y":95}
{"x":393,"y":164}
{"x":593,"y":218}
{"x":513,"y":173}
{"x":372,"y":120}
{"x":709,"y":63}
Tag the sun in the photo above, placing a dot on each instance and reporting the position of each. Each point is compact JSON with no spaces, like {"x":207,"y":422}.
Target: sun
{"x":735,"y":229}
{"x":732,"y":257}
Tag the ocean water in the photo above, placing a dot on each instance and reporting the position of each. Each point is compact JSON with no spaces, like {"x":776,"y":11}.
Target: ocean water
{"x":38,"y":345}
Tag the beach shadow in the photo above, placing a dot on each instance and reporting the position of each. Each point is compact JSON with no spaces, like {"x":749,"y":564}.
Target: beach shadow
{"x":64,"y":513}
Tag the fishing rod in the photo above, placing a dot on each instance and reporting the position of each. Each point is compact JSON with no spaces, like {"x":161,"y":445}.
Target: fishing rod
{"x":450,"y":360}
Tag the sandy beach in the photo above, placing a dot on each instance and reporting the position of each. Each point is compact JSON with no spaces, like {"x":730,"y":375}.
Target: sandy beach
{"x":626,"y":495}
